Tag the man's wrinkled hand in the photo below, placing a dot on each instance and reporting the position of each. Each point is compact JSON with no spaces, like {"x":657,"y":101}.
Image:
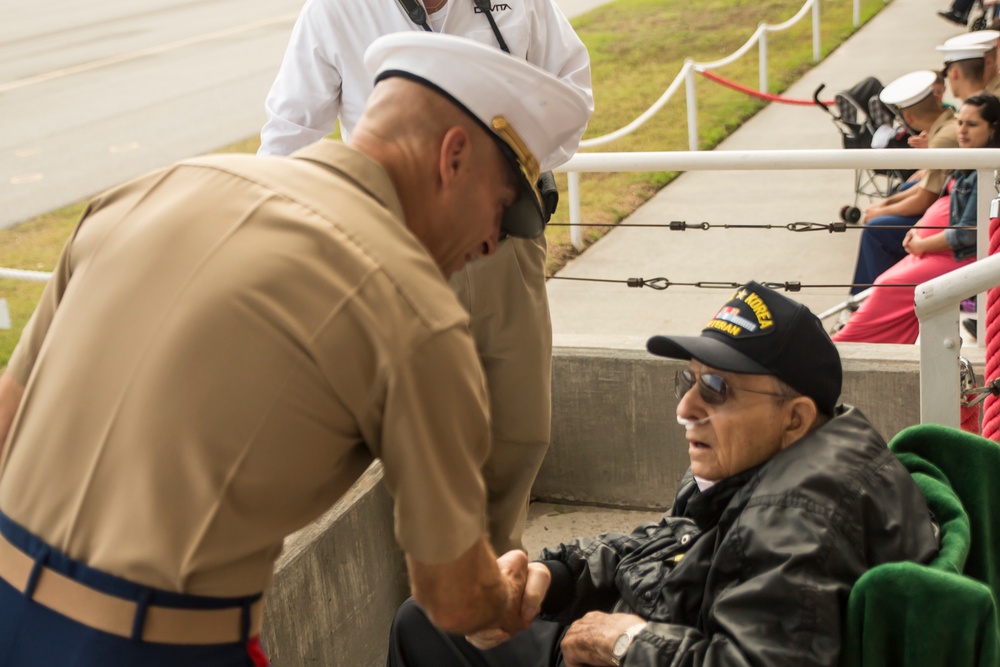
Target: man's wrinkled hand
{"x":529,"y":583}
{"x":589,"y":641}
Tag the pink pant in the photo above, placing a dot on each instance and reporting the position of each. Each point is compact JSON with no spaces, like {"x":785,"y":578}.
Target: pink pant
{"x":887,"y":316}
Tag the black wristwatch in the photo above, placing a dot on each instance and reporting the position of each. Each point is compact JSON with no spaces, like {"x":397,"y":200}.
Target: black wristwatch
{"x":623,"y":643}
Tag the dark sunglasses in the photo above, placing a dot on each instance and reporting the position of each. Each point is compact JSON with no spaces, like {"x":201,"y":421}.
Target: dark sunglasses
{"x":713,"y":389}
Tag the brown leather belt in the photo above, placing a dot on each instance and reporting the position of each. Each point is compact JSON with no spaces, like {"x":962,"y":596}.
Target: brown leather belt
{"x":115,"y":615}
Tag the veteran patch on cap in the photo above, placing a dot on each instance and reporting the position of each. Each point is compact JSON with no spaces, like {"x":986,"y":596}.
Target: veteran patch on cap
{"x":760,"y":331}
{"x":536,"y":119}
{"x":908,"y":89}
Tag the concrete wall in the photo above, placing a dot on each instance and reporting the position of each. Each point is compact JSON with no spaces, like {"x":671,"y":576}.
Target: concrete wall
{"x":615,"y":442}
{"x":337,"y":585}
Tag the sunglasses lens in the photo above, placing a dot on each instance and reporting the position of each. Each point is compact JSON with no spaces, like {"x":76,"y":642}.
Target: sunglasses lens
{"x":713,"y":389}
{"x":683,"y":381}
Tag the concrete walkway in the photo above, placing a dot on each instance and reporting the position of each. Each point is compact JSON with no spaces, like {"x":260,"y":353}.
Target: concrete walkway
{"x":900,"y":39}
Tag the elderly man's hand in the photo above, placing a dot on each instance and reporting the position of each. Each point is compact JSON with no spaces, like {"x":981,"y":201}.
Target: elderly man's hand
{"x":529,"y":584}
{"x":589,"y":641}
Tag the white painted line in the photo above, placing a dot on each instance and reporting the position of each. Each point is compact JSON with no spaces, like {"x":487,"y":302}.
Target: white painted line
{"x":26,"y":178}
{"x":124,"y":148}
{"x":4,"y":315}
{"x":125,"y":57}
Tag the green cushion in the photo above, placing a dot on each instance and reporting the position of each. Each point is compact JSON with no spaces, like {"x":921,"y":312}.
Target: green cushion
{"x":943,"y":613}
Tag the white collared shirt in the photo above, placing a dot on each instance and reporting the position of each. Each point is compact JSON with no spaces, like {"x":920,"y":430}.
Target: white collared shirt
{"x":323,"y":76}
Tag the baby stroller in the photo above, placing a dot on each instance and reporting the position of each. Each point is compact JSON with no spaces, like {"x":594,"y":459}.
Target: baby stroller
{"x":865,"y":122}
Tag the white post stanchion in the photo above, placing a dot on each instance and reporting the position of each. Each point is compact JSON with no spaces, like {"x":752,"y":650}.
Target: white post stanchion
{"x":575,"y":215}
{"x":857,"y":13}
{"x":762,"y":44}
{"x":816,"y":31}
{"x":985,"y":193}
{"x":692,"y":109}
{"x":936,"y":304}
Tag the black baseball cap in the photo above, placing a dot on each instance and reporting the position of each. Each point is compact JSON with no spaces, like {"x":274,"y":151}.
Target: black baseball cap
{"x":763,"y":332}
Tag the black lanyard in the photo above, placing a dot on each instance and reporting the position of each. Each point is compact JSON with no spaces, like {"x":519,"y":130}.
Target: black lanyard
{"x":418,"y":15}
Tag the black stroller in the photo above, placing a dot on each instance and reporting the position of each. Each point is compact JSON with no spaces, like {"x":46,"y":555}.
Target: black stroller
{"x":861,"y":118}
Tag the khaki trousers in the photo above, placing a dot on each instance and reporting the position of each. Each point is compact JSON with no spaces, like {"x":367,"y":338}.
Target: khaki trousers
{"x":506,"y":298}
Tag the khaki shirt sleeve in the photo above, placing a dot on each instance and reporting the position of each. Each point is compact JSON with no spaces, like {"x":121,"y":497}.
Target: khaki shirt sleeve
{"x":946,"y":137}
{"x":22,"y":361}
{"x":435,"y":439}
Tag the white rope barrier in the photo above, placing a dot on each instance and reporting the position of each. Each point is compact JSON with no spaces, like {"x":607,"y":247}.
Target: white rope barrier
{"x":698,"y":67}
{"x":30,"y":276}
{"x":646,"y":115}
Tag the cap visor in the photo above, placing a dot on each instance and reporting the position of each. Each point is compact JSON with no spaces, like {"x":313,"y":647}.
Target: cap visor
{"x":705,"y":349}
{"x":523,"y":218}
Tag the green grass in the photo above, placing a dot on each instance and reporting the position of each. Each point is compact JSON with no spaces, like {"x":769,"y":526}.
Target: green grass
{"x":637,"y":47}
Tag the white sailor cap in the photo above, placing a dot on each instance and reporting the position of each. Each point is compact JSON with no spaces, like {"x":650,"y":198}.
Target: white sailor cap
{"x":908,"y":89}
{"x":987,"y":38}
{"x":955,"y":53}
{"x":536,"y":119}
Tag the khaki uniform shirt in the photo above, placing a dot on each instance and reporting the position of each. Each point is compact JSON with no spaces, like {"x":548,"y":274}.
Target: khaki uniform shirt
{"x":993,"y":86}
{"x":943,"y":134}
{"x":223,"y":349}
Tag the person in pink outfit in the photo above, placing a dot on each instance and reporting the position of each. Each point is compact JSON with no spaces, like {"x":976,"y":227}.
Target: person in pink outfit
{"x":887,"y":316}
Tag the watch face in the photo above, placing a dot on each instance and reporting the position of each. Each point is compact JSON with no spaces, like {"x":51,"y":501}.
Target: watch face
{"x":621,"y":645}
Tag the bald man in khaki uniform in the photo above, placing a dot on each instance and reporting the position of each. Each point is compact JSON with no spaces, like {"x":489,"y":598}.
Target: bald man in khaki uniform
{"x":228,"y":343}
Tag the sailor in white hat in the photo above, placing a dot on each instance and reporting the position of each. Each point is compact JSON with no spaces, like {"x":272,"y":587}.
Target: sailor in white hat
{"x":987,"y":39}
{"x":964,"y":68}
{"x":909,"y":89}
{"x":912,"y":95}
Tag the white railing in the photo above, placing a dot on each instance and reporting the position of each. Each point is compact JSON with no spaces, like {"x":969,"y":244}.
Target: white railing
{"x":939,"y":394}
{"x":935,"y":302}
{"x":687,"y":77}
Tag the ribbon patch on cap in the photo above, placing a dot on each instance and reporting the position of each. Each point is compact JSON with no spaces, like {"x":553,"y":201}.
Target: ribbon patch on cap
{"x":745,"y":314}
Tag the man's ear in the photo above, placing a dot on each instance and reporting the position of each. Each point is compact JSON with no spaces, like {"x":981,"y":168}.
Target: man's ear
{"x":456,"y":150}
{"x":800,"y":415}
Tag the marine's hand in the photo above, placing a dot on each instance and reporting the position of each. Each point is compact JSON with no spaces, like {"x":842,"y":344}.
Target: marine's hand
{"x":524,"y":606}
{"x":589,"y":641}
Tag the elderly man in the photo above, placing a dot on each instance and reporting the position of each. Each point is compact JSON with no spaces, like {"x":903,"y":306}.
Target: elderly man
{"x":789,"y":499}
{"x":887,"y":222}
{"x":228,"y":343}
{"x":321,"y":80}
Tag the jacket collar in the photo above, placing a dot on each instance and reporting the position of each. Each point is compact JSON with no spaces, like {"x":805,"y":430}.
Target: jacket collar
{"x":706,"y":507}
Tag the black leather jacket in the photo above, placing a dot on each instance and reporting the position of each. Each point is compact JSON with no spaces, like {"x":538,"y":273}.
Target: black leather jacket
{"x":757,"y":569}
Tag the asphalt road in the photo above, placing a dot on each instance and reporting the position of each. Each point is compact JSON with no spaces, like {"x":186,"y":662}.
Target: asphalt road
{"x":93,"y":94}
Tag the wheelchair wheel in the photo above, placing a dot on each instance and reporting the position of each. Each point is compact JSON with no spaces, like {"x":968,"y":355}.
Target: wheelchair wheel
{"x":850,"y":213}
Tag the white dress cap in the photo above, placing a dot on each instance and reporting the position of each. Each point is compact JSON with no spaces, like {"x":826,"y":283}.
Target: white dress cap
{"x":908,"y":89}
{"x":987,"y":38}
{"x":536,"y":119}
{"x":955,"y":53}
